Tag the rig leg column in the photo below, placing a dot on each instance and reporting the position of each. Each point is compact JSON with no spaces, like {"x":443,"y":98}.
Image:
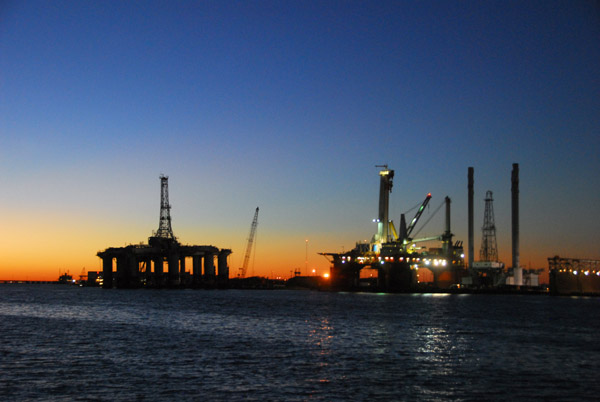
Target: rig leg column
{"x":182,"y":276}
{"x":134,"y":272}
{"x":173,"y":270}
{"x":197,"y":269}
{"x":148,"y":271}
{"x":223,"y":268}
{"x":122,"y":271}
{"x":158,"y":271}
{"x":209,"y":268}
{"x":107,"y":272}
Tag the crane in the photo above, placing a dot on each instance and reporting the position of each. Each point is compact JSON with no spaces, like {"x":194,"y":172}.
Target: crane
{"x":249,"y":245}
{"x":404,"y":231}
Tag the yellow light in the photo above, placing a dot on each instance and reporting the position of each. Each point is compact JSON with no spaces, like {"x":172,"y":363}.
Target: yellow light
{"x":326,"y":276}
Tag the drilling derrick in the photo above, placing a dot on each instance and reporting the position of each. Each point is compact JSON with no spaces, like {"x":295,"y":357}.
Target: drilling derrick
{"x":249,"y":245}
{"x":489,"y":246}
{"x":164,"y":227}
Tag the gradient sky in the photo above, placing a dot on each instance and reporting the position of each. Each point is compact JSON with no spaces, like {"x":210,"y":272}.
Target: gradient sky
{"x":289,"y":105}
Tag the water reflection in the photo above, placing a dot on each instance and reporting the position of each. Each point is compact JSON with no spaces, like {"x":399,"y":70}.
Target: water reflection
{"x":320,"y":341}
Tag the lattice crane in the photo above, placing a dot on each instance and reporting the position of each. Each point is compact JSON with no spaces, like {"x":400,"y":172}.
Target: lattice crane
{"x":244,"y":267}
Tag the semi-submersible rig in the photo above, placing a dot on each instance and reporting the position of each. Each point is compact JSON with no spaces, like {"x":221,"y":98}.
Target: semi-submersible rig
{"x":396,"y":257}
{"x":143,"y":265}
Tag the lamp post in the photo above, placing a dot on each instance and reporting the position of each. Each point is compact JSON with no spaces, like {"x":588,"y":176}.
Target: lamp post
{"x":306,"y":259}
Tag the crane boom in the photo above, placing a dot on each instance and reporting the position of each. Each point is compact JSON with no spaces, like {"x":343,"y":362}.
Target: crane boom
{"x":249,"y":245}
{"x":413,"y":223}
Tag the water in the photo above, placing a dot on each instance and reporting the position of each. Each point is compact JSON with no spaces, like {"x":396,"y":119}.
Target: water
{"x":70,"y":343}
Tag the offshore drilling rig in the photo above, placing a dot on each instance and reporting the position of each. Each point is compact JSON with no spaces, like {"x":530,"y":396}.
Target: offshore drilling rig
{"x":488,"y":271}
{"x":142,"y":265}
{"x":396,"y":257}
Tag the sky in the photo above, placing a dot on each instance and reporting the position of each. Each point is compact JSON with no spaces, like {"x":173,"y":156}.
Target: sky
{"x":289,"y":106}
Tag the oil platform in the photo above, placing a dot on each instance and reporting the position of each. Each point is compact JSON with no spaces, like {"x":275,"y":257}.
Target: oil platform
{"x":395,"y":258}
{"x":488,"y":271}
{"x":143,"y":265}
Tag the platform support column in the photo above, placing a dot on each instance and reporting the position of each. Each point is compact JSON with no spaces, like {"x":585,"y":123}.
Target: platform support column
{"x":209,"y":266}
{"x":148,"y":262}
{"x":173,"y":270}
{"x":107,"y":272}
{"x":223,"y":268}
{"x":158,"y":271}
{"x":197,"y":269}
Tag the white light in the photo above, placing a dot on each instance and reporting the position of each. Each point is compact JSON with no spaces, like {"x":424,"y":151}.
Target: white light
{"x":574,"y":272}
{"x":462,"y":256}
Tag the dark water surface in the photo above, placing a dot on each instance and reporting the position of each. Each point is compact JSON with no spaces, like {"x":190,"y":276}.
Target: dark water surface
{"x":70,"y":343}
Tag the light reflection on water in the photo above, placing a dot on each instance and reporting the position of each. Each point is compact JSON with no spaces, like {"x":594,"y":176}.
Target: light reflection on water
{"x":68,"y":343}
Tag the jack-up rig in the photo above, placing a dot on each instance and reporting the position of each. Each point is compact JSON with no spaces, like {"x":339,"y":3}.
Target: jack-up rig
{"x":396,"y":258}
{"x":143,"y":265}
{"x":488,"y":271}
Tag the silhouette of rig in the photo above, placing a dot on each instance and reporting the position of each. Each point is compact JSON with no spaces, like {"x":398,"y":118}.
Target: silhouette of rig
{"x":162,"y":262}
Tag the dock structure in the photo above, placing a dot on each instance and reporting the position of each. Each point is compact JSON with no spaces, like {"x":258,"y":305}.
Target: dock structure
{"x":163,"y":261}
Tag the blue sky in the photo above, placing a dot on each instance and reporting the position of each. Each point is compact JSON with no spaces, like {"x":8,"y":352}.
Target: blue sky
{"x":289,"y":106}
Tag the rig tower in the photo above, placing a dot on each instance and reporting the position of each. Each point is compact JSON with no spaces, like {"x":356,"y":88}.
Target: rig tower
{"x":470,"y":210}
{"x":164,"y":227}
{"x":517,"y":270}
{"x":489,"y":245}
{"x":385,"y":188}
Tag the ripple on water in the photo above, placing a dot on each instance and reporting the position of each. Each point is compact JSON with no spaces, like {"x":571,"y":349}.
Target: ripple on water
{"x":66,"y":343}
